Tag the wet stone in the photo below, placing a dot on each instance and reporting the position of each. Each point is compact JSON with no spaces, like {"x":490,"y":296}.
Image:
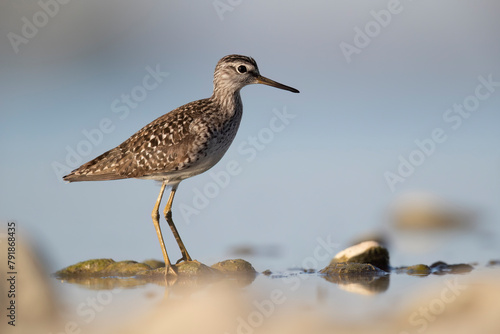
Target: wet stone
{"x":124,"y":268}
{"x":154,"y":264}
{"x":158,"y":273}
{"x":267,"y":272}
{"x":442,"y":268}
{"x":438,"y":266}
{"x":376,"y":237}
{"x":105,"y":268}
{"x":461,"y":268}
{"x":367,"y":252}
{"x":237,"y":266}
{"x":194,"y":268}
{"x":349,"y":268}
{"x":183,"y":269}
{"x":418,"y":270}
{"x":102,"y":268}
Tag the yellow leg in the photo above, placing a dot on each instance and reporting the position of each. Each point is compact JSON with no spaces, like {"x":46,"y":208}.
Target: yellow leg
{"x":156,"y":216}
{"x":168,"y":216}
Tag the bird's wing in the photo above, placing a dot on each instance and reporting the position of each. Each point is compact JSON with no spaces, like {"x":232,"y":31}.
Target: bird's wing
{"x":165,"y":145}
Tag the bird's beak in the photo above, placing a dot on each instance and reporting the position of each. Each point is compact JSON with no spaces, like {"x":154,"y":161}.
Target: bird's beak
{"x":263,"y":80}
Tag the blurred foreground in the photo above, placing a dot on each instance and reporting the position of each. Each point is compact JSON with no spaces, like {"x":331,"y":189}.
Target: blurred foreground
{"x":292,"y":302}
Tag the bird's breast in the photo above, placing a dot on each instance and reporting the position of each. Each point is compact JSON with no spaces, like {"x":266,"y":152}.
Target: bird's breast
{"x":216,"y":137}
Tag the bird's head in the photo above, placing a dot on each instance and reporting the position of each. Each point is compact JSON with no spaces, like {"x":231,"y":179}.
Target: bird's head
{"x":234,"y":72}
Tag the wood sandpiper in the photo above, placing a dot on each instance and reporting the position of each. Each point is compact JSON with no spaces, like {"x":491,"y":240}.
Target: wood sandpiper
{"x":185,"y":142}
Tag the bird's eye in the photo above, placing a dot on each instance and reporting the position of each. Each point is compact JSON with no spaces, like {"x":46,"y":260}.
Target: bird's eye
{"x":241,"y":69}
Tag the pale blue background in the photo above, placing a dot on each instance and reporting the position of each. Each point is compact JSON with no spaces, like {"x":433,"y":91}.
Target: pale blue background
{"x":322,"y":175}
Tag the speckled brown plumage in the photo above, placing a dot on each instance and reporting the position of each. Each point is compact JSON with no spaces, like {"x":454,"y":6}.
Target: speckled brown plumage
{"x":168,"y":146}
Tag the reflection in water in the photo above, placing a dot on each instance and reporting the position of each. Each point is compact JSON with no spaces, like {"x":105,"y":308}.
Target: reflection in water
{"x":109,"y":283}
{"x":361,"y":284}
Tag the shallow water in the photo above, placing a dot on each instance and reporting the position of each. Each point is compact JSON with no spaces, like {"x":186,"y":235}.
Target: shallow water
{"x":100,"y":303}
{"x":286,"y":301}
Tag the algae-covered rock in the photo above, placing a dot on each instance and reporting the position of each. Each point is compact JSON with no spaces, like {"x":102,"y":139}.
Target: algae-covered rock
{"x":237,"y":266}
{"x":150,"y":268}
{"x":418,"y":270}
{"x":186,"y":269}
{"x":124,"y":268}
{"x":152,"y":273}
{"x":194,"y":268}
{"x":350,"y":268}
{"x":154,"y":264}
{"x":102,"y":268}
{"x":85,"y":268}
{"x":367,"y":252}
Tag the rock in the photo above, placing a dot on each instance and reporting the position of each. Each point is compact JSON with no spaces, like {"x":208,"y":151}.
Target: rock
{"x":85,"y":268}
{"x":351,"y":269}
{"x":154,"y":264}
{"x":151,"y":269}
{"x":267,"y":272}
{"x":437,"y":268}
{"x":460,"y":268}
{"x":102,"y":268}
{"x":493,"y":263}
{"x":417,"y":270}
{"x":124,"y":269}
{"x":378,"y":237}
{"x":160,"y":272}
{"x":183,"y":269}
{"x":366,"y":252}
{"x":194,"y":268}
{"x":442,"y":268}
{"x":361,"y":278}
{"x":237,"y":266}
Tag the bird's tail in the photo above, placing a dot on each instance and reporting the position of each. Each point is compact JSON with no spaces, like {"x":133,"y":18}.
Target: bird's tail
{"x":104,"y":167}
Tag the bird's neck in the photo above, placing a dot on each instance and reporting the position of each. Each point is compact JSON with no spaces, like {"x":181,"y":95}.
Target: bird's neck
{"x":229,"y":101}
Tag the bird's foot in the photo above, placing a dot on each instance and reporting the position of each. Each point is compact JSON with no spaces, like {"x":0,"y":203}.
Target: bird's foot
{"x":170,"y":271}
